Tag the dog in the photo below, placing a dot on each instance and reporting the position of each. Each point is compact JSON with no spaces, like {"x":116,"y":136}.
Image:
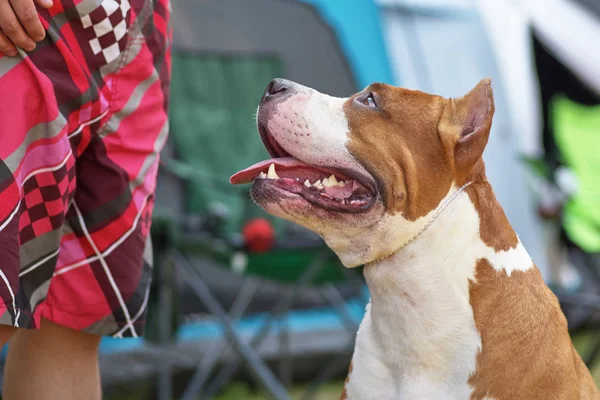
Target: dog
{"x":394,"y":180}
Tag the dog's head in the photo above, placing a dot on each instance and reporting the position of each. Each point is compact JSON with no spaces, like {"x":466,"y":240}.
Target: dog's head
{"x":365,"y":171}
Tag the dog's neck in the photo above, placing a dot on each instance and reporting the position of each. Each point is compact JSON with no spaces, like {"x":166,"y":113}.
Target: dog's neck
{"x":420,"y":331}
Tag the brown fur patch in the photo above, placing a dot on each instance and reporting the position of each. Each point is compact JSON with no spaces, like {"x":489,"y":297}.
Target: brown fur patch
{"x":526,"y":349}
{"x":400,"y":145}
{"x":494,"y":228}
{"x":416,"y":144}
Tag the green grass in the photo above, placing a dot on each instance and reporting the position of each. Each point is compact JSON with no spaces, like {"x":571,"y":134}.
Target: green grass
{"x":236,"y":391}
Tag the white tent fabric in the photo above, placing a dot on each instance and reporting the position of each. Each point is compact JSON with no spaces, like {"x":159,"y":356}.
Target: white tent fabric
{"x":507,"y":27}
{"x":572,"y":33}
{"x":569,"y":30}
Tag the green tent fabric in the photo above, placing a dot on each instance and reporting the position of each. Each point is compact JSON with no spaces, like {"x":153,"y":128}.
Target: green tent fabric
{"x":213,"y":132}
{"x":213,"y":127}
{"x":577,"y":134}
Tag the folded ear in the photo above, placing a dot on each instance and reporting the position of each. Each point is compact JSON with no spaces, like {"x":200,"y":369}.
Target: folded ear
{"x":465,"y":126}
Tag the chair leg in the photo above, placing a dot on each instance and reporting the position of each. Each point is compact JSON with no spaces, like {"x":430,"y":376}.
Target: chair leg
{"x":165,"y":294}
{"x":228,"y":370}
{"x":335,"y":366}
{"x":257,"y":367}
{"x":333,"y":297}
{"x":285,"y":361}
{"x":208,"y":362}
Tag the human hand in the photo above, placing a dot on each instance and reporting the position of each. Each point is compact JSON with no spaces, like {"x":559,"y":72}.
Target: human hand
{"x":20,"y":25}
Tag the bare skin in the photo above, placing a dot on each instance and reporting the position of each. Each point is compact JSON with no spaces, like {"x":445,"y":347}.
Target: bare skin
{"x":53,"y":363}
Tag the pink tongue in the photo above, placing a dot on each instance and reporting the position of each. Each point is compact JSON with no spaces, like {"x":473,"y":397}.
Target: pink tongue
{"x":250,"y":173}
{"x":341,"y":192}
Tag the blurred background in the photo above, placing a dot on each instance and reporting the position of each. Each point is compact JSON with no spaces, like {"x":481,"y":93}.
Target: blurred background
{"x":244,"y":306}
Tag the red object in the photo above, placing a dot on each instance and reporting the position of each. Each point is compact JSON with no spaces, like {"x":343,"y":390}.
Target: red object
{"x":259,"y":235}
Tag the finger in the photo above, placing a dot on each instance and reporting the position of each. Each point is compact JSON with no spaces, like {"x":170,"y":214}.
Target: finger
{"x":28,"y":16}
{"x":44,"y":3}
{"x":9,"y":24}
{"x":6,"y":46}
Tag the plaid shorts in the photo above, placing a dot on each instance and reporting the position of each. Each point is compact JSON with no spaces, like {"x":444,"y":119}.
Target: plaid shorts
{"x":83,"y":119}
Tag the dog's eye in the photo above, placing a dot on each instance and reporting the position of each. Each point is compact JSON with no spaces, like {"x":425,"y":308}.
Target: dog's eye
{"x":369,"y":101}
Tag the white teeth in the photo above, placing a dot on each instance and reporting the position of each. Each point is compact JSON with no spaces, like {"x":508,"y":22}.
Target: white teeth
{"x":331,"y":181}
{"x":326,"y":182}
{"x":262,"y":175}
{"x":271,"y":174}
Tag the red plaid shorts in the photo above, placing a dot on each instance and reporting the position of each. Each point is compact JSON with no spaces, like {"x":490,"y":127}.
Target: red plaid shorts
{"x":83,"y":119}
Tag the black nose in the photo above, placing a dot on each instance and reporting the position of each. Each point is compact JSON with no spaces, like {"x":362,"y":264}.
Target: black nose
{"x":276,"y":89}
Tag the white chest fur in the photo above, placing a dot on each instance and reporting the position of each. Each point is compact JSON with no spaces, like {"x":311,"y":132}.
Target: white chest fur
{"x":418,"y":338}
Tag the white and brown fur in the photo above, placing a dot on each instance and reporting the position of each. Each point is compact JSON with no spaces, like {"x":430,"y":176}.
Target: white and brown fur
{"x":461,"y":311}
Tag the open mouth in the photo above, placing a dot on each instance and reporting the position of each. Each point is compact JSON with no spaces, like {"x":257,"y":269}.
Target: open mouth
{"x":329,"y":188}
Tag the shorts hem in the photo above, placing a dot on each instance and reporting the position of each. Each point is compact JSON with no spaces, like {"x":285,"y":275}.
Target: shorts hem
{"x":51,"y":312}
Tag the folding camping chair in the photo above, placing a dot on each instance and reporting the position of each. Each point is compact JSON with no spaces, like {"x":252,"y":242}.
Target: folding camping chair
{"x":176,"y":240}
{"x":199,"y":226}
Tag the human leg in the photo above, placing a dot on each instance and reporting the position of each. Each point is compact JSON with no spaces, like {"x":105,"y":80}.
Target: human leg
{"x":52,"y":363}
